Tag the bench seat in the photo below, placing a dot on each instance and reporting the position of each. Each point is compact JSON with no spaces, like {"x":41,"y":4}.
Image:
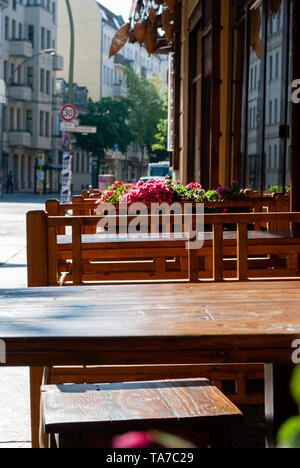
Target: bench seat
{"x":96,"y":413}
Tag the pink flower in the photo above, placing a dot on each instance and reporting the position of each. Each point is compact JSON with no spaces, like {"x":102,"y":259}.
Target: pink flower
{"x":134,"y":440}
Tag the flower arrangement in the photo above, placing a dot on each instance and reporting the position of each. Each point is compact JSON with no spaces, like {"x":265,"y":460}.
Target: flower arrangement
{"x":167,"y":191}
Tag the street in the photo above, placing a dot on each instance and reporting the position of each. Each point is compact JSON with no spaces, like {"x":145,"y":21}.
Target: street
{"x":14,"y":383}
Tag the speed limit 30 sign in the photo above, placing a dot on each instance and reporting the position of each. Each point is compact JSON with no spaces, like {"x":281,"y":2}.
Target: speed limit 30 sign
{"x":68,"y":113}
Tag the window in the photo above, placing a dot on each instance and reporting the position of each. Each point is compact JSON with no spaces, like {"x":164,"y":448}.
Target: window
{"x":6,"y":28}
{"x":263,"y":154}
{"x":29,"y":126}
{"x":271,"y":68}
{"x":42,"y":81}
{"x":48,"y":80}
{"x":14,"y":29}
{"x":31,"y":34}
{"x":43,"y":38}
{"x":277,"y":66}
{"x":5,"y":71}
{"x":42,"y":114}
{"x":48,"y":39}
{"x":19,"y":119}
{"x":20,"y":31}
{"x":47,"y":124}
{"x":276,"y":112}
{"x":270,"y":112}
{"x":30,"y":77}
{"x":12,"y":119}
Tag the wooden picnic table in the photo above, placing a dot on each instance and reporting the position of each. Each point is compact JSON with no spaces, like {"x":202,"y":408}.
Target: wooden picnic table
{"x":251,"y":322}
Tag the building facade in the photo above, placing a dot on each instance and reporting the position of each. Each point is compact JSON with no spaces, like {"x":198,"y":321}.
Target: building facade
{"x":88,"y":36}
{"x":30,"y":64}
{"x":232,"y":93}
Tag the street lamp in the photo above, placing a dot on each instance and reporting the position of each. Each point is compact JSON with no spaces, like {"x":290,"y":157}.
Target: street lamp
{"x":51,"y":52}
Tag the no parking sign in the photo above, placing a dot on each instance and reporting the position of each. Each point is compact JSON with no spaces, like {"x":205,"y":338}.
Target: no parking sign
{"x":65,"y":139}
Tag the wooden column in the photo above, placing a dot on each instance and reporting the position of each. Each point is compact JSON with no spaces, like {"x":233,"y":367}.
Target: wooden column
{"x":37,"y":251}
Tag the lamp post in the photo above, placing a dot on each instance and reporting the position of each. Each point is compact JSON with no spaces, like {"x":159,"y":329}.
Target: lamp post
{"x":51,"y":52}
{"x":72,"y":52}
{"x":10,"y":82}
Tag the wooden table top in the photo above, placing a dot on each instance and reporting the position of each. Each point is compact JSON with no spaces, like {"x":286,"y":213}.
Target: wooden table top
{"x":151,"y":323}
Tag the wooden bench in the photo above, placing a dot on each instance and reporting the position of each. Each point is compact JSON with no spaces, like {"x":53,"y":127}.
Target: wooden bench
{"x":89,"y":416}
{"x":78,"y":259}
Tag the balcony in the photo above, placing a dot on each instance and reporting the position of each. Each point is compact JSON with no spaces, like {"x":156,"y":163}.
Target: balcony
{"x":19,"y":138}
{"x":20,"y":48}
{"x":19,"y":93}
{"x":58,"y":63}
{"x":119,"y":90}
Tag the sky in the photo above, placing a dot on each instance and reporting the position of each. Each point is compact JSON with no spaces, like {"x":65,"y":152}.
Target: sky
{"x":119,"y":7}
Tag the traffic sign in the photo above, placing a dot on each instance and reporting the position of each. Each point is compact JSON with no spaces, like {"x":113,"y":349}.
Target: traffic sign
{"x":68,"y":113}
{"x":65,"y":139}
{"x":67,"y":127}
{"x":41,"y":160}
{"x":83,"y":129}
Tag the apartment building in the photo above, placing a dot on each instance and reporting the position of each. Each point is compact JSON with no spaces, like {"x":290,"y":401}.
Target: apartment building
{"x":30,"y":64}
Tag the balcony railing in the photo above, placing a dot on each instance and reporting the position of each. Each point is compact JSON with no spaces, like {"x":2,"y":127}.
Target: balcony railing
{"x":19,"y":138}
{"x":19,"y":93}
{"x":20,"y":48}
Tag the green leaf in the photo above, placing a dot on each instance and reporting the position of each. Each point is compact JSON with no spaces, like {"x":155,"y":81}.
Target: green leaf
{"x":289,"y":434}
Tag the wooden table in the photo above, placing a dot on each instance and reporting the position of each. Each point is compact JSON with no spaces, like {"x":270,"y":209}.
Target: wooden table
{"x":252,"y":322}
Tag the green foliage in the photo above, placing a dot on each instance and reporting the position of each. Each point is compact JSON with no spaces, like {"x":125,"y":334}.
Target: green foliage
{"x":279,"y":189}
{"x":110,"y":118}
{"x":147,"y":109}
{"x":289,"y":434}
{"x":160,"y":145}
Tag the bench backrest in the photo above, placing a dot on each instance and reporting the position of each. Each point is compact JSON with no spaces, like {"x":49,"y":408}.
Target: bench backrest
{"x":42,"y":231}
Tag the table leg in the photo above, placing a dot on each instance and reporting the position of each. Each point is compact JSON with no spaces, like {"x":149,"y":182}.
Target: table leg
{"x":36,"y":376}
{"x":279,"y":405}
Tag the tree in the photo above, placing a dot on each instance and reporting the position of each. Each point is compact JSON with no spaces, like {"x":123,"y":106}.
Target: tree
{"x":146,"y":109}
{"x":160,"y":145}
{"x":110,"y":118}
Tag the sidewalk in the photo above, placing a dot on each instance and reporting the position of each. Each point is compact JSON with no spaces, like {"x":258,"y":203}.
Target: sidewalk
{"x":14,"y":383}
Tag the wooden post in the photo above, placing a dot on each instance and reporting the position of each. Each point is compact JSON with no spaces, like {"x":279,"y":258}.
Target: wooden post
{"x":76,"y":255}
{"x":193,"y":264}
{"x":36,"y":375}
{"x":37,"y":251}
{"x":218,"y":259}
{"x":242,"y":252}
{"x":52,"y":207}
